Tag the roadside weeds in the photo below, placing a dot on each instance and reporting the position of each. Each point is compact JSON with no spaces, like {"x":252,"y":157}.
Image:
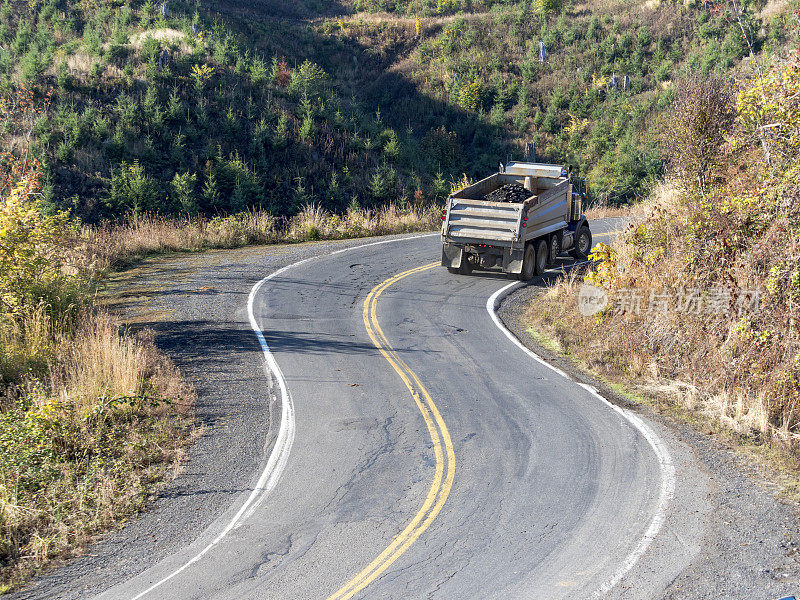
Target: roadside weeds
{"x":86,"y":440}
{"x":558,"y":339}
{"x":596,"y":213}
{"x":124,"y":243}
{"x":92,"y":418}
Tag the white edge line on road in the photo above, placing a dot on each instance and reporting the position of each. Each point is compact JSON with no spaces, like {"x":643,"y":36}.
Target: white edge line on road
{"x":659,"y":448}
{"x":283,"y":444}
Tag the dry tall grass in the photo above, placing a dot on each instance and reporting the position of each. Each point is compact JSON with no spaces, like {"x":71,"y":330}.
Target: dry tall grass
{"x":140,"y":236}
{"x":738,"y":368}
{"x":115,"y":244}
{"x":605,"y":212}
{"x":25,"y":346}
{"x":99,"y":363}
{"x":166,"y":35}
{"x":85,"y":438}
{"x":91,"y":418}
{"x":705,"y":284}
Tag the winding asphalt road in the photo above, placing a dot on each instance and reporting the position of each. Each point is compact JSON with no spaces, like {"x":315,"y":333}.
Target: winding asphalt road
{"x":396,"y":441}
{"x":421,"y":452}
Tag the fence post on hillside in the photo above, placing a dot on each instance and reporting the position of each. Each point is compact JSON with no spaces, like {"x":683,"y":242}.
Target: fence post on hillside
{"x":530,"y":151}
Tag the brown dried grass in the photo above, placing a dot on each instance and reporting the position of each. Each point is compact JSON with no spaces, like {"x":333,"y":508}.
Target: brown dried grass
{"x":98,"y":421}
{"x":740,"y":373}
{"x":165,"y":34}
{"x":136,"y":237}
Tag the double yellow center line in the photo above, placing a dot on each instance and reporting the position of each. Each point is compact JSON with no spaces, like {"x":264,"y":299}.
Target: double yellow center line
{"x":442,"y":447}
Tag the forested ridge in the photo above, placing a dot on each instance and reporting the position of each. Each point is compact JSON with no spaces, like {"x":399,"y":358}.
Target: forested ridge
{"x":176,"y":108}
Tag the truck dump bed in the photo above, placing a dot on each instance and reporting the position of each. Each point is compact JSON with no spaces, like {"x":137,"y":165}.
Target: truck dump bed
{"x":472,"y":219}
{"x":482,"y":220}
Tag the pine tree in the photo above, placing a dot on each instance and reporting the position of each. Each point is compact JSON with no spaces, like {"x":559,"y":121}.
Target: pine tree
{"x":238,"y":197}
{"x":211,"y":193}
{"x":183,"y":192}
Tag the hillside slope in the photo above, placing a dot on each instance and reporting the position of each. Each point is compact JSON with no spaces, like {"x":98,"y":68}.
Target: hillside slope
{"x":703,"y":286}
{"x":274,"y":104}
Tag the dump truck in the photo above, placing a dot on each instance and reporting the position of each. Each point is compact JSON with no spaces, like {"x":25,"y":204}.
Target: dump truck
{"x":519,"y":219}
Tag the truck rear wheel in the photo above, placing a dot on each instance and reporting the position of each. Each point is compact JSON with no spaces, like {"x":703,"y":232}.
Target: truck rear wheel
{"x":583,"y":243}
{"x":541,"y":257}
{"x":466,"y":266}
{"x":555,"y":248}
{"x":528,"y":264}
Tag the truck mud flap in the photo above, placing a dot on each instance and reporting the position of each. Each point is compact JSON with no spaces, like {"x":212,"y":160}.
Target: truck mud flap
{"x":512,"y":260}
{"x":451,"y":256}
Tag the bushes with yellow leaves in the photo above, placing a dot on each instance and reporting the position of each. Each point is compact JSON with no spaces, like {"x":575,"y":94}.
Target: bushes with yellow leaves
{"x":33,"y":252}
{"x":769,"y":110}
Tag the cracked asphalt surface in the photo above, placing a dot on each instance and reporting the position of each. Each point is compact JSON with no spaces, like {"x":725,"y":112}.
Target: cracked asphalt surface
{"x":552,"y":489}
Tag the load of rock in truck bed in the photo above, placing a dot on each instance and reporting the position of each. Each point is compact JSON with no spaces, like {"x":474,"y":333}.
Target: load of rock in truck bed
{"x":511,"y":192}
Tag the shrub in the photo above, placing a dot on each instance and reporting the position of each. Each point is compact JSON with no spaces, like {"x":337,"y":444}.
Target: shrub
{"x":392,"y":147}
{"x":548,"y":7}
{"x":382,"y":183}
{"x":281,"y":74}
{"x":132,"y":189}
{"x":308,"y":79}
{"x":769,"y":114}
{"x":22,"y":39}
{"x":84,"y":432}
{"x":694,"y":137}
{"x":280,"y":138}
{"x":726,"y":264}
{"x":442,"y":147}
{"x":307,"y":129}
{"x":80,"y":450}
{"x":201,"y":74}
{"x":211,"y":194}
{"x":33,"y":249}
{"x":258,"y":72}
{"x":183,"y":192}
{"x":469,"y":96}
{"x":33,"y":64}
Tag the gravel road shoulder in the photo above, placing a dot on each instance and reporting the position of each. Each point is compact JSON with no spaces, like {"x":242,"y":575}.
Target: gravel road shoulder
{"x":748,"y":546}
